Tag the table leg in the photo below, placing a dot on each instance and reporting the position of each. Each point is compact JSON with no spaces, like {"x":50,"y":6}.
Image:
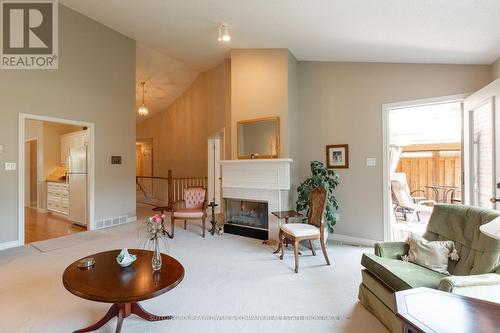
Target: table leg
{"x":121,"y":315}
{"x":122,"y":311}
{"x":139,"y":311}
{"x":436,"y":195}
{"x":448,"y":192}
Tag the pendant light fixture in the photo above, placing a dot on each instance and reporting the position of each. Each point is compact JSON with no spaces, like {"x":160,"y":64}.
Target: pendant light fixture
{"x":224,"y":35}
{"x":143,"y":110}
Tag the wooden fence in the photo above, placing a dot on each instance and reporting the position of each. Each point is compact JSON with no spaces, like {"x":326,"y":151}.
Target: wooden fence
{"x":431,"y":168}
{"x":165,"y":190}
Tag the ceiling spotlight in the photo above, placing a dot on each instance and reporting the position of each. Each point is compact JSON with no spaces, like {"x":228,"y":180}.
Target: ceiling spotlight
{"x":224,"y":33}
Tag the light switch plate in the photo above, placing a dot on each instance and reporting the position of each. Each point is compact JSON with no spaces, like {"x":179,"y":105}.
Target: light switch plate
{"x":371,"y":161}
{"x":10,"y":166}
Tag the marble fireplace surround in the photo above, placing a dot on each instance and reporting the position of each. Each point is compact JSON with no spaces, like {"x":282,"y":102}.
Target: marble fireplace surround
{"x":266,"y":180}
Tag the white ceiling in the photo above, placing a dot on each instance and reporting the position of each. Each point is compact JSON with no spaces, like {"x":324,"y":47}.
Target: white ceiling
{"x":421,"y":31}
{"x":408,"y":31}
{"x":165,"y":77}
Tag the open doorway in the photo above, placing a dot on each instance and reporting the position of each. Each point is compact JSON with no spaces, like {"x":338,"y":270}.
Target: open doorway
{"x":146,"y":185}
{"x":31,"y":174}
{"x":424,"y":162}
{"x":55,"y":178}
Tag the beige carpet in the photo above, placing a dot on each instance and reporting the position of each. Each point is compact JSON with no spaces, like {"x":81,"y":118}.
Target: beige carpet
{"x":230,"y":276}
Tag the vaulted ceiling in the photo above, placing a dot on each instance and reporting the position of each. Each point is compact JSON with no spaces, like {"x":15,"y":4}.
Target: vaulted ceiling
{"x":408,"y":31}
{"x":166,"y":79}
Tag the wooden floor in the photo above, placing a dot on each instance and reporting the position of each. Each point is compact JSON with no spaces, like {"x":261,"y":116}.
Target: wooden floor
{"x":42,"y":226}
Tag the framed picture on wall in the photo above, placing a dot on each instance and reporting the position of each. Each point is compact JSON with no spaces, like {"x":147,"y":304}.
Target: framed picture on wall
{"x":337,"y":156}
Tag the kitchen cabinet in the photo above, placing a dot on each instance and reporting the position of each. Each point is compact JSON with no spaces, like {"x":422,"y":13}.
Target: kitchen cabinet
{"x":72,"y":140}
{"x":58,"y":197}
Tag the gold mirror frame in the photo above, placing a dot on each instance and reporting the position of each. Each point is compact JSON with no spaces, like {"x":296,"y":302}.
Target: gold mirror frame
{"x":258,"y":120}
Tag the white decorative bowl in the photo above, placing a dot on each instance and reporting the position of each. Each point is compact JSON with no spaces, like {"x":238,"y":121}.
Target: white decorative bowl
{"x":125,"y":259}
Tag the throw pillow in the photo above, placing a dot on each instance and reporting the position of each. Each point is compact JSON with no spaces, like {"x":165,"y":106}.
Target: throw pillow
{"x":430,"y":254}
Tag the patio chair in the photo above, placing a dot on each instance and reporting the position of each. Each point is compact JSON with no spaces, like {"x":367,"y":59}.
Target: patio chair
{"x":404,"y":200}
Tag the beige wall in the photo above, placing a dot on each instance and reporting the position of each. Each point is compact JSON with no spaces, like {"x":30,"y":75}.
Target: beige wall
{"x":259,"y":88}
{"x":95,"y":82}
{"x":294,"y":130}
{"x":496,"y":69}
{"x":342,"y":103}
{"x":180,"y":132}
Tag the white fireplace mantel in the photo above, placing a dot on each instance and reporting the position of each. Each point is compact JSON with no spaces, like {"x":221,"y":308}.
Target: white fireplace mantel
{"x":272,"y":174}
{"x":259,"y":180}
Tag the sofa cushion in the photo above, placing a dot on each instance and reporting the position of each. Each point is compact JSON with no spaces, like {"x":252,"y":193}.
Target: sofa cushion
{"x":478,"y":253}
{"x":400,"y":275}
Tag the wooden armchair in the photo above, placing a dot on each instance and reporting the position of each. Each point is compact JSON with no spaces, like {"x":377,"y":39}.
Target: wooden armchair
{"x":193,"y":207}
{"x":312,"y":230}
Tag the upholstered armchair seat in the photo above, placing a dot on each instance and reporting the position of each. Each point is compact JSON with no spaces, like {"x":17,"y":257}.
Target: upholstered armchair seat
{"x":300,"y":229}
{"x":188,"y":213}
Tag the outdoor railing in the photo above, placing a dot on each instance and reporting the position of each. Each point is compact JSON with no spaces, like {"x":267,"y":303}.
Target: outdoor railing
{"x":165,"y":190}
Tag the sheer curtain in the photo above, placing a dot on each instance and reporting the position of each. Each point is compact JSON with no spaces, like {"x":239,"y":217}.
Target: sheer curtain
{"x":394,"y":156}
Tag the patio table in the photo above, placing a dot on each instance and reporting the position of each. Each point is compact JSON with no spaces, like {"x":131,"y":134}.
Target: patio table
{"x":446,"y":190}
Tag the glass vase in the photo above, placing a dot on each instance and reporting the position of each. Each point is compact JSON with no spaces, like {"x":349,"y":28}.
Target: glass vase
{"x":156,"y":260}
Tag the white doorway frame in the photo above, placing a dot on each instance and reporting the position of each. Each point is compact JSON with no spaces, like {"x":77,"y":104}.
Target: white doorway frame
{"x":21,"y":166}
{"x":469,"y":169}
{"x":211,"y":140}
{"x":385,"y":148}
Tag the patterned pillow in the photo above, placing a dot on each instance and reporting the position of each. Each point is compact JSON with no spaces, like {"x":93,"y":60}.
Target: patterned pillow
{"x":433,"y":255}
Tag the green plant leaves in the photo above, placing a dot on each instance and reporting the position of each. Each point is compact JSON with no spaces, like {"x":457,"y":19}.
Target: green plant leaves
{"x":324,"y":178}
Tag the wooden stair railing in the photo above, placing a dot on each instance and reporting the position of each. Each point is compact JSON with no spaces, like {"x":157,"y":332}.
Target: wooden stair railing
{"x":174,"y":186}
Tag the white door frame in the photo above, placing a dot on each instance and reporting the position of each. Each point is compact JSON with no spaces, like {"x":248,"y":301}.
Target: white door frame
{"x":219,"y":136}
{"x":21,"y":161}
{"x":468,"y":168}
{"x":385,"y":148}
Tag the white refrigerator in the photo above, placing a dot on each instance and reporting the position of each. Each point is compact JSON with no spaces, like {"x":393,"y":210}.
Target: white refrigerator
{"x":77,"y":181}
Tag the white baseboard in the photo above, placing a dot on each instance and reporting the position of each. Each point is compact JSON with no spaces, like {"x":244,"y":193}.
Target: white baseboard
{"x":8,"y":245}
{"x":132,"y":219}
{"x":352,"y":240}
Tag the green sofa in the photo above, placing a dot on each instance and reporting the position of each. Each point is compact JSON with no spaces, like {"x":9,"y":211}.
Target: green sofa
{"x":476,"y":273}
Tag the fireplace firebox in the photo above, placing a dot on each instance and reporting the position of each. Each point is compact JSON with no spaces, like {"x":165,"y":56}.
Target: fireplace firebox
{"x":247,"y":218}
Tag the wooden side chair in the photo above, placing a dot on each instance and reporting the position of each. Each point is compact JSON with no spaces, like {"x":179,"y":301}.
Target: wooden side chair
{"x":193,"y":207}
{"x":312,"y":230}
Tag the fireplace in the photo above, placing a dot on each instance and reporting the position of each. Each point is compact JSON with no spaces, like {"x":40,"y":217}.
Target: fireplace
{"x":247,"y":218}
{"x":258,"y":180}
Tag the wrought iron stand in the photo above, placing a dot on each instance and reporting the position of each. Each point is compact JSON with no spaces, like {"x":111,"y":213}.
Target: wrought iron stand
{"x":213,"y":221}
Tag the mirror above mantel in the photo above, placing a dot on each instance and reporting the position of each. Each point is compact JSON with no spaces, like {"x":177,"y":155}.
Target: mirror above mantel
{"x":259,"y":138}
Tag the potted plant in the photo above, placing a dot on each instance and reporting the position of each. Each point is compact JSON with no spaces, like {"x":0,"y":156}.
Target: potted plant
{"x":326,"y":179}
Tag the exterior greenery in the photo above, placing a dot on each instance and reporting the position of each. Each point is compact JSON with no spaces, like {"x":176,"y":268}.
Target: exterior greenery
{"x":324,"y":178}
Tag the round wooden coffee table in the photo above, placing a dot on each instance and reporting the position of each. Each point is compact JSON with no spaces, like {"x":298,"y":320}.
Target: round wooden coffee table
{"x":107,"y":282}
